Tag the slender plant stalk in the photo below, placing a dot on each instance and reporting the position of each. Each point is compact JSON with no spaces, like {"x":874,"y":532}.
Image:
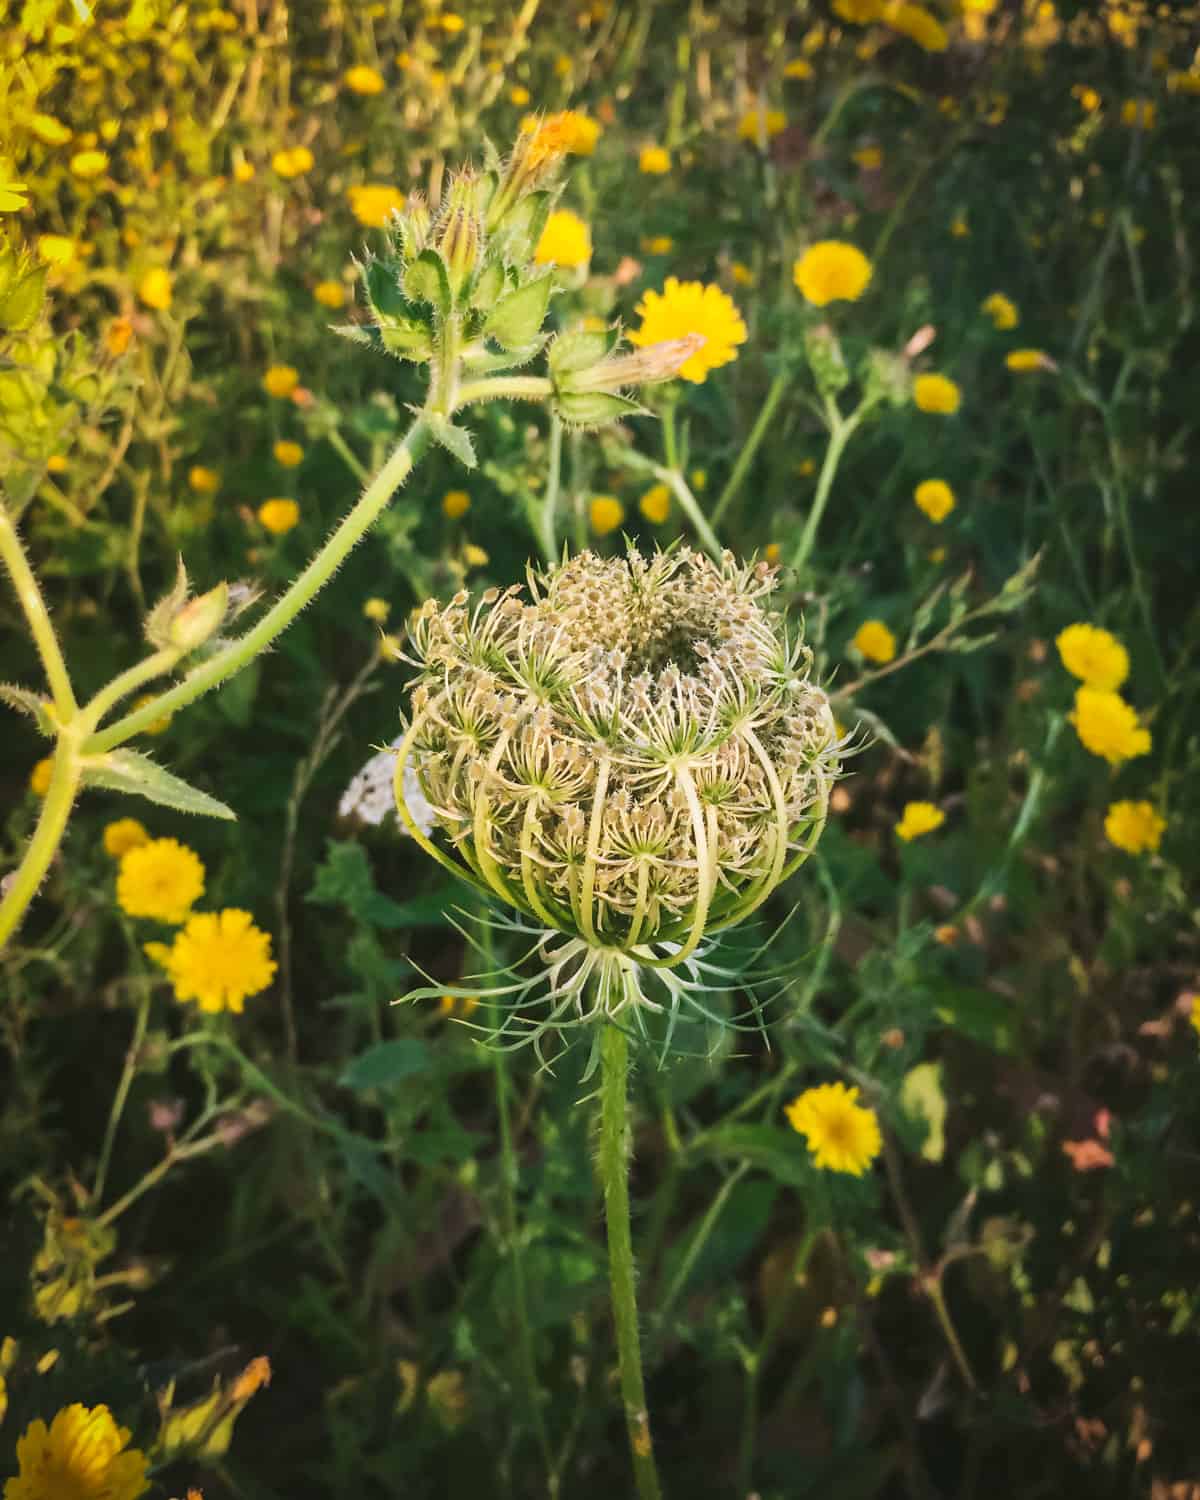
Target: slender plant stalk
{"x":546,"y":534}
{"x":29,"y":596}
{"x":751,"y":446}
{"x":122,"y":1093}
{"x":22,"y":885}
{"x":841,"y":430}
{"x":614,"y":1173}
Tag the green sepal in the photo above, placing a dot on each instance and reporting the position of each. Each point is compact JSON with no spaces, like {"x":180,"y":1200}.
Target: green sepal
{"x":129,"y":771}
{"x":489,"y":286}
{"x":595,"y":408}
{"x":518,"y":232}
{"x":427,"y":280}
{"x":517,"y":318}
{"x":580,"y":350}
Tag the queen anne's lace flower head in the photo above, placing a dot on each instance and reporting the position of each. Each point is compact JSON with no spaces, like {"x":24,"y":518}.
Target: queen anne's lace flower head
{"x":632,"y":754}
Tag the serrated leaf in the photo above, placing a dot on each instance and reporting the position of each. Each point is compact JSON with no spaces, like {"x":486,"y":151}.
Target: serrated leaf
{"x":579,"y":350}
{"x":129,"y":771}
{"x":26,"y":702}
{"x":426,"y":280}
{"x":455,"y":440}
{"x":357,"y":334}
{"x":595,"y":408}
{"x":489,"y":286}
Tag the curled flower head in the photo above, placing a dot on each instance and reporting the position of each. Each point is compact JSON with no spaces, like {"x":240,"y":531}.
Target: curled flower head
{"x":632,"y":754}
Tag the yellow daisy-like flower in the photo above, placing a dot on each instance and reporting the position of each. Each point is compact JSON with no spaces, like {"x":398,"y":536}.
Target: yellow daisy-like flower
{"x":363,"y":80}
{"x":936,"y":393}
{"x":1108,"y":726}
{"x":519,"y":95}
{"x":288,"y":454}
{"x":918,"y":818}
{"x":49,"y":131}
{"x":278,"y":516}
{"x":935,"y":498}
{"x":373,"y":203}
{"x":82,"y":1455}
{"x":875,"y":641}
{"x":218,"y":960}
{"x":376,"y":609}
{"x":455,"y":504}
{"x":832,"y":271}
{"x":917,"y":24}
{"x":1022,"y":361}
{"x":1134,"y":826}
{"x":58,"y":250}
{"x":122,"y":836}
{"x":565,"y":241}
{"x":1001,"y":310}
{"x":474,"y":557}
{"x":799,"y":67}
{"x":203,"y":481}
{"x":568,"y":133}
{"x":1094,"y":655}
{"x":161,"y":879}
{"x":293,"y":161}
{"x":657,"y":244}
{"x":655,"y":504}
{"x":13,"y":195}
{"x":281,"y":380}
{"x":330,"y":293}
{"x":89,"y":164}
{"x":742,"y":274}
{"x":684,"y":307}
{"x":39,"y":777}
{"x":1139,"y":113}
{"x":154,"y":289}
{"x":842,"y":1134}
{"x":243,"y":171}
{"x":858,"y":12}
{"x":606,"y":513}
{"x":758,"y":122}
{"x":654,"y":161}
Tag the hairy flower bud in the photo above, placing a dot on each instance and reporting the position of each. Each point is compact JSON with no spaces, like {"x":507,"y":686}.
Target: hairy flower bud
{"x":634,"y":755}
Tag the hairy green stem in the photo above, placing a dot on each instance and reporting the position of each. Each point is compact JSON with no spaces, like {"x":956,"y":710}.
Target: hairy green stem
{"x":512,"y":387}
{"x":23,"y":883}
{"x":315,"y":576}
{"x":29,"y":596}
{"x":122,"y":1093}
{"x":841,"y":430}
{"x":614,"y":1174}
{"x":546,"y":538}
{"x":751,"y":446}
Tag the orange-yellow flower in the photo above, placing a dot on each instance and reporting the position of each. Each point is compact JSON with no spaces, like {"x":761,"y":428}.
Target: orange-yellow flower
{"x":832,"y":271}
{"x":684,"y":307}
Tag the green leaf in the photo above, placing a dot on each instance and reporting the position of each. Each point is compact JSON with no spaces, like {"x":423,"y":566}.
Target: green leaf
{"x":128,"y":771}
{"x":455,"y":440}
{"x":579,"y":350}
{"x":779,"y":1153}
{"x":979,"y":1014}
{"x":488,"y":287}
{"x":386,"y":1064}
{"x":427,"y":280}
{"x":344,"y":879}
{"x":517,"y":318}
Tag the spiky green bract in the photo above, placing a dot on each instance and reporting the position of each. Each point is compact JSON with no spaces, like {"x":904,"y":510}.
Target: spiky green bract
{"x":633,"y":753}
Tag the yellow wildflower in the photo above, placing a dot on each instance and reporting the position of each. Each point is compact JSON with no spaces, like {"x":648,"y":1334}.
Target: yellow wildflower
{"x":49,"y":131}
{"x":117,"y":336}
{"x":243,"y":170}
{"x":874,"y":641}
{"x":281,"y":380}
{"x":58,"y":250}
{"x":293,"y":161}
{"x":742,"y":274}
{"x":657,"y":244}
{"x":1022,"y":361}
{"x":918,"y":818}
{"x":869,"y":158}
{"x":376,"y":609}
{"x":936,"y":393}
{"x":204,"y":481}
{"x":1089,"y":99}
{"x":373,"y":203}
{"x":330,"y":293}
{"x":858,"y":12}
{"x":1134,"y":826}
{"x":799,"y":67}
{"x":82,"y":1455}
{"x":13,"y":195}
{"x":569,"y":132}
{"x":88,"y":164}
{"x":1093,"y":655}
{"x":363,"y":80}
{"x":1001,"y":310}
{"x":122,"y":836}
{"x":654,"y":161}
{"x":606,"y":513}
{"x":288,"y":454}
{"x":655,"y":504}
{"x":565,"y":241}
{"x":278,"y":516}
{"x":935,"y":498}
{"x":39,"y":777}
{"x":832,"y":271}
{"x":473,"y":556}
{"x":162,"y":879}
{"x":842,"y":1134}
{"x":218,"y":960}
{"x":1141,"y":113}
{"x":756,"y":123}
{"x":519,"y":95}
{"x":455,"y":504}
{"x":154,"y":289}
{"x":916,"y":23}
{"x":684,"y":307}
{"x":1108,"y":726}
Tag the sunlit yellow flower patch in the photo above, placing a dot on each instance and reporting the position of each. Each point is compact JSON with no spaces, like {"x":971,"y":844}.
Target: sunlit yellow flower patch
{"x":684,"y":307}
{"x":565,"y":241}
{"x":281,"y":380}
{"x":82,"y":1455}
{"x":278,"y":516}
{"x":655,"y":504}
{"x":1002,"y":311}
{"x":1094,"y":655}
{"x":1134,"y":827}
{"x":455,"y":504}
{"x":218,"y":960}
{"x":363,"y":80}
{"x":918,"y":818}
{"x":155,"y":290}
{"x":654,"y":161}
{"x":1108,"y":726}
{"x":936,"y":393}
{"x":605,"y":513}
{"x":162,"y":879}
{"x":832,"y":271}
{"x":373,"y":203}
{"x":935,"y":498}
{"x":874,"y":641}
{"x":122,"y":836}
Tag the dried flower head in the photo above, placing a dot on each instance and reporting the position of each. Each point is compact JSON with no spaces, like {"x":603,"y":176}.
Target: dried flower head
{"x":634,"y":755}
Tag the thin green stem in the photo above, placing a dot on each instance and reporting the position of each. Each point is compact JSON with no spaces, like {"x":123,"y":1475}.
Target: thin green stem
{"x":125,"y":683}
{"x":23,"y":883}
{"x":690,"y":506}
{"x":751,"y":446}
{"x":29,"y":596}
{"x":122,"y":1093}
{"x":511,"y":387}
{"x":614,"y":1173}
{"x":316,"y":575}
{"x":546,"y":537}
{"x":841,"y":430}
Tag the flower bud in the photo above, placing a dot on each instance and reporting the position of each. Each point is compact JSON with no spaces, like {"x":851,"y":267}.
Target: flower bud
{"x":826,"y":360}
{"x":199,"y":619}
